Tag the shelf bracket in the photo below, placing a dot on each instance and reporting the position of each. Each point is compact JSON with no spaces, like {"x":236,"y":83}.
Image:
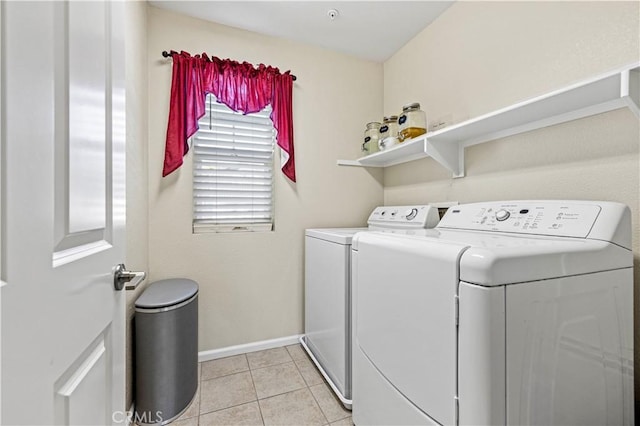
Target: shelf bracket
{"x":630,"y":90}
{"x":352,"y":163}
{"x":449,"y":155}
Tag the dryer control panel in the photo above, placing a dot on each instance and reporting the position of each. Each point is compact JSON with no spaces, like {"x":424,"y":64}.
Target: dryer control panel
{"x":404,"y":217}
{"x":563,"y":219}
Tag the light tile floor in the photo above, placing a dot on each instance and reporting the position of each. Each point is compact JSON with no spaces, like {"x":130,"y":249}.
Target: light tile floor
{"x":279,"y":386}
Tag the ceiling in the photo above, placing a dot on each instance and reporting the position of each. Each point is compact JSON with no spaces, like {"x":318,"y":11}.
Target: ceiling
{"x":372,"y":30}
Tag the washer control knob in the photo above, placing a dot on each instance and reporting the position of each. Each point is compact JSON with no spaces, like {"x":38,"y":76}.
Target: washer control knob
{"x":502,"y":215}
{"x":411,"y":213}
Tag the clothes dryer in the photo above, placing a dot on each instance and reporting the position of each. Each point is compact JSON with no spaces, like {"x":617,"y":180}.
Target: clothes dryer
{"x":516,"y":312}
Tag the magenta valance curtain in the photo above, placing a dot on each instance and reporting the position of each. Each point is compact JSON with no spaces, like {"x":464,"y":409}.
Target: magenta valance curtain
{"x":239,"y":86}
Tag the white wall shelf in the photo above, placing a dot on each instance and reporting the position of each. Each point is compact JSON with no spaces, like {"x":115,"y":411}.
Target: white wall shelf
{"x":614,"y":90}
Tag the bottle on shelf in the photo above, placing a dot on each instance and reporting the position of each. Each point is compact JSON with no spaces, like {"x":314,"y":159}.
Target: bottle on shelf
{"x":412,"y":122}
{"x":371,"y":136}
{"x":388,"y":132}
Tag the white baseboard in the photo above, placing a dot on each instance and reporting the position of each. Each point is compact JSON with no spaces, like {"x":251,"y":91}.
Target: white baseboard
{"x":247,"y":347}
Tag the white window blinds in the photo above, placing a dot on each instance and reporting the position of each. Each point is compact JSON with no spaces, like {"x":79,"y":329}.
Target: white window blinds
{"x":233,"y":170}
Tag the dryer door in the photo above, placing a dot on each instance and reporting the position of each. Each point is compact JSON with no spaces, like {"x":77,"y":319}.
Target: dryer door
{"x":405,"y":317}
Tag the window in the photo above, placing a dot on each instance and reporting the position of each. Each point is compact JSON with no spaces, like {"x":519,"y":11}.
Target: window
{"x":233,"y":170}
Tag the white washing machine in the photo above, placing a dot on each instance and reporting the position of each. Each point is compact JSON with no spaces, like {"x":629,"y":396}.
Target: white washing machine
{"x":327,"y":337}
{"x":516,"y":313}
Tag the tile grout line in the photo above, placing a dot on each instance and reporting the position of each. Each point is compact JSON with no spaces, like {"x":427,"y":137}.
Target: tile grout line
{"x":226,"y":374}
{"x":324,"y":383}
{"x":271,"y":365}
{"x":309,"y":388}
{"x":333,"y":396}
{"x":304,"y":378}
{"x":253,"y":382}
{"x":282,"y":393}
{"x":302,"y":375}
{"x":229,"y":407}
{"x":319,"y":406}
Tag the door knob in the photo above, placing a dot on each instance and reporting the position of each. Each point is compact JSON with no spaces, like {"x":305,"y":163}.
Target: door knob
{"x":121,"y":277}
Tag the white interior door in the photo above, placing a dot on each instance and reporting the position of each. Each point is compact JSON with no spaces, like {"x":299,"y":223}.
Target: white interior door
{"x":63,"y":212}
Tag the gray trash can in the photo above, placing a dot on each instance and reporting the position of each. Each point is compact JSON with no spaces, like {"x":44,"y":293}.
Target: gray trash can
{"x":166,"y":350}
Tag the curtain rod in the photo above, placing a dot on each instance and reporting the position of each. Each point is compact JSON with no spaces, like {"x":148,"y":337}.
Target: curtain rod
{"x":167,"y":55}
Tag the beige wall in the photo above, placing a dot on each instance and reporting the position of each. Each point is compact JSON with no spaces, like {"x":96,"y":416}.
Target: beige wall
{"x":481,"y":56}
{"x":136,"y":258}
{"x":251,"y":284}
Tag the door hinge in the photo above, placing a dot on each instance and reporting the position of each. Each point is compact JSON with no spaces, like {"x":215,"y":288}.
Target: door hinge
{"x":457,"y":409}
{"x":456,"y":300}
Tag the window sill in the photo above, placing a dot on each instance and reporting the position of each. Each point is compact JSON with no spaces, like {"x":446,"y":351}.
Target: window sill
{"x":206,"y":228}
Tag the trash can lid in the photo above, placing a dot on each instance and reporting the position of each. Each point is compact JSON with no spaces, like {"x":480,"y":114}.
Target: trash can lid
{"x":165,"y":293}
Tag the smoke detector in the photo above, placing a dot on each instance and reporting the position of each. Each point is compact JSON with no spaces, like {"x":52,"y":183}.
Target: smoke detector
{"x":332,"y":14}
